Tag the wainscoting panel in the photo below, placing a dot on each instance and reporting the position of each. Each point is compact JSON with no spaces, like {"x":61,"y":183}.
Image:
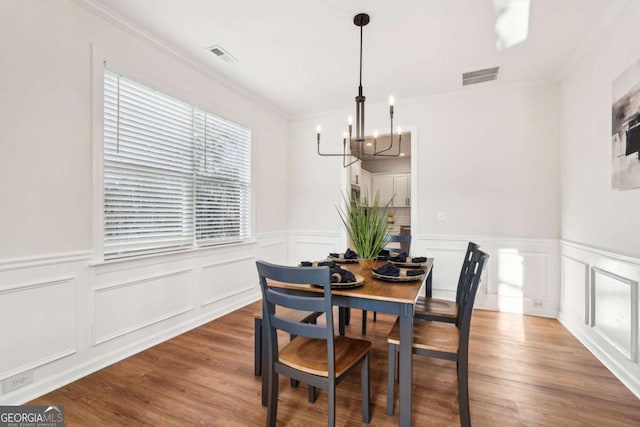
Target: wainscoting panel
{"x":275,"y":253}
{"x":273,"y":247}
{"x":447,"y":269}
{"x":227,"y":278}
{"x":613,"y":315}
{"x":67,"y":316}
{"x":522,"y":275}
{"x":609,"y":328}
{"x":575,"y":289}
{"x":122,"y":308}
{"x":312,"y":246}
{"x":38,"y":324}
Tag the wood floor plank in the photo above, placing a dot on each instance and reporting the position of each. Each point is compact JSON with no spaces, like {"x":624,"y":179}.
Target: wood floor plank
{"x":523,"y":371}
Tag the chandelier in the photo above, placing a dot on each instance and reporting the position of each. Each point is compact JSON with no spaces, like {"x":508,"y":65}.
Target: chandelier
{"x":357,"y":145}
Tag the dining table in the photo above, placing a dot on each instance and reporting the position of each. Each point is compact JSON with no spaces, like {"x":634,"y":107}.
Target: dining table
{"x":394,"y":297}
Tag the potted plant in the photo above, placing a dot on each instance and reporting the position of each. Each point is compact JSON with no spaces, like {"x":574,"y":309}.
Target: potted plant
{"x":366,"y":227}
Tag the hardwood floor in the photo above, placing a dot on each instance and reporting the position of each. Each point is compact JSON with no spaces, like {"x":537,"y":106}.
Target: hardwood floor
{"x":523,"y":371}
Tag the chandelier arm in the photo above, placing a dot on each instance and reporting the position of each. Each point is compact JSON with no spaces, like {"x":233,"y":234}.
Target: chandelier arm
{"x":334,"y":154}
{"x":387,"y":149}
{"x":344,"y":154}
{"x":345,"y":164}
{"x":379,"y":153}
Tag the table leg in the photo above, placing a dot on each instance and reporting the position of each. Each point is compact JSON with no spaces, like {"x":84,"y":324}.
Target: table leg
{"x":405,"y":363}
{"x":429,"y":285}
{"x":342,"y":315}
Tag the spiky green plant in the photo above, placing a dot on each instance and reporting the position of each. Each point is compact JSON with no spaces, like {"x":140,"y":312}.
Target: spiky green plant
{"x":366,"y":226}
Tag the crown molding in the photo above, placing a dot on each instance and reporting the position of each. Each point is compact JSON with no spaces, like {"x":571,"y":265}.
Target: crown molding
{"x":103,"y":11}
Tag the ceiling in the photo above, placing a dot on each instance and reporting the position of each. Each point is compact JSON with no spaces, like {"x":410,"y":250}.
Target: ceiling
{"x":302,"y":56}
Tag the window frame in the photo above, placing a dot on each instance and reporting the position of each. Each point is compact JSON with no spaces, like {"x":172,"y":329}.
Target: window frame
{"x":100,"y":62}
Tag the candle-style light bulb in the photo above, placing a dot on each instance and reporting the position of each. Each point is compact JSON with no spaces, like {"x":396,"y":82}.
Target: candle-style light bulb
{"x":350,"y":120}
{"x":318,"y":129}
{"x":344,"y":134}
{"x":375,"y":134}
{"x":399,"y":130}
{"x":391,"y":100}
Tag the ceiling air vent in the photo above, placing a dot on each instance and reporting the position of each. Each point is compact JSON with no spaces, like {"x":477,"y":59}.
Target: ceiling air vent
{"x":479,"y":76}
{"x":222,"y":54}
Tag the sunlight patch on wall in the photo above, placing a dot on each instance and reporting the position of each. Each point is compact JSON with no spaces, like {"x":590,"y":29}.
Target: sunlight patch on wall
{"x":510,"y":280}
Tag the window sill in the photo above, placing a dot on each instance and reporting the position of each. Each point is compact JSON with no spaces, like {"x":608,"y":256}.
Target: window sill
{"x":170,"y":256}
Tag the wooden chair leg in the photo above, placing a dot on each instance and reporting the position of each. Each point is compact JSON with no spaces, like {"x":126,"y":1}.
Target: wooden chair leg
{"x":364,"y":322}
{"x":312,"y":394}
{"x":257,"y":347}
{"x":341,"y":320}
{"x":347,"y":317}
{"x":375,"y":316}
{"x":463,"y":392}
{"x":365,"y":385}
{"x":391,"y":374}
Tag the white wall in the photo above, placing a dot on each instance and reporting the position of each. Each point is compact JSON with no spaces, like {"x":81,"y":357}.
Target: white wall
{"x":61,"y":317}
{"x":600,"y":226}
{"x":487,"y":157}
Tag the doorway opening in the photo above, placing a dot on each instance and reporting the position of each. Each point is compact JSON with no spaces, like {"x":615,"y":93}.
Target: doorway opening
{"x":389,"y":177}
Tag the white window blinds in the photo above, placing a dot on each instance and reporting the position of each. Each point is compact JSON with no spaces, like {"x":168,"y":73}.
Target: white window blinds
{"x":174,"y":176}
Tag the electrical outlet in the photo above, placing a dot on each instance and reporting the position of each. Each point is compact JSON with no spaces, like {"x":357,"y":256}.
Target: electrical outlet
{"x":17,"y":381}
{"x":537,"y":303}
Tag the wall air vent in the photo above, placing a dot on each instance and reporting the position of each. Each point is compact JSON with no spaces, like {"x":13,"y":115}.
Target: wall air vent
{"x":222,"y":54}
{"x":479,"y":76}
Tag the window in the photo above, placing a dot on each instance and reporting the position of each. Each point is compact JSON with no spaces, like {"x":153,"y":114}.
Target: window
{"x":175,"y":176}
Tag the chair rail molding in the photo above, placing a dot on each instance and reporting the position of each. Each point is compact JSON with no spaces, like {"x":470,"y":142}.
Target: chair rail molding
{"x":43,"y":260}
{"x":314,"y":245}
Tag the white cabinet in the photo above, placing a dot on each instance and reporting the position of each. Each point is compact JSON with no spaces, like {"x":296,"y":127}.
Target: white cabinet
{"x":401,"y":187}
{"x":383,"y":185}
{"x":397,"y":186}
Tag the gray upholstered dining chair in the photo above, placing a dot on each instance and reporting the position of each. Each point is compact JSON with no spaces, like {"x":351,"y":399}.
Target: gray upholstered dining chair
{"x":443,"y":340}
{"x":315,"y":356}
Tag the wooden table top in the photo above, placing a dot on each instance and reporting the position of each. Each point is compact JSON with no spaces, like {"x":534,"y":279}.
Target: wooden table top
{"x":403,"y":292}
